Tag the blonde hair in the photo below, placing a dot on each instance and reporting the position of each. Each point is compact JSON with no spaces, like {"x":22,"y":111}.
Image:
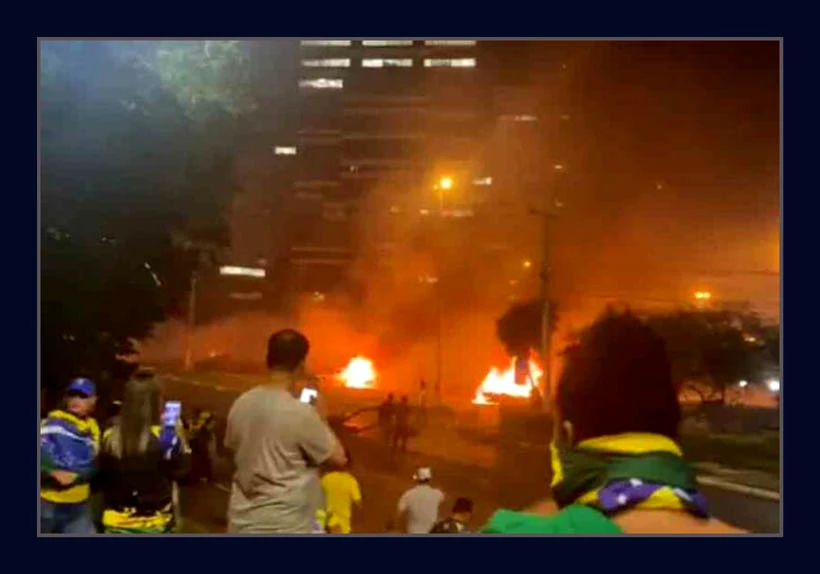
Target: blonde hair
{"x":132,"y":433}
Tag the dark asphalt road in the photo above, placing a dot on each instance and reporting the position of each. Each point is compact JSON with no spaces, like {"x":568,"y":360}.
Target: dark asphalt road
{"x":517,"y":480}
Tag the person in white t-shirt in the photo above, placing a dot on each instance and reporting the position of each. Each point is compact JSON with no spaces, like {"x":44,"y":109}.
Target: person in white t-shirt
{"x":418,"y":507}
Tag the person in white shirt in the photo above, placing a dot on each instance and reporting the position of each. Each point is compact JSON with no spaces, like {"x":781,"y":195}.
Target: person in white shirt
{"x":418,"y":507}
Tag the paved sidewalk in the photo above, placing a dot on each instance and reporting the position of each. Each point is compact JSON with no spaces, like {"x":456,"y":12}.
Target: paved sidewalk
{"x":752,"y":482}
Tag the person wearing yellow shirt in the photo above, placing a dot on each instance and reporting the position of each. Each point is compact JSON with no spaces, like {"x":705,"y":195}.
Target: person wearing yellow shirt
{"x":69,"y":443}
{"x":342,"y":492}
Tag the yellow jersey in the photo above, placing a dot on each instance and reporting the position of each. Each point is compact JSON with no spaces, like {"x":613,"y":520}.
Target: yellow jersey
{"x":341,"y":492}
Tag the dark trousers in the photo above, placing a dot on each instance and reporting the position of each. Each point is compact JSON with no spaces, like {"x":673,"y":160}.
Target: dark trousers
{"x":65,"y":518}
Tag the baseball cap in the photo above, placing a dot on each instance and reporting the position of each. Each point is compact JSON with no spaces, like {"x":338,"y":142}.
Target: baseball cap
{"x":82,"y":386}
{"x":423,"y":473}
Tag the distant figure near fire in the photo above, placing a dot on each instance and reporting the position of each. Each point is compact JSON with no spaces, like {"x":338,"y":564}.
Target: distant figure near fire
{"x":402,"y":431}
{"x":387,"y":418}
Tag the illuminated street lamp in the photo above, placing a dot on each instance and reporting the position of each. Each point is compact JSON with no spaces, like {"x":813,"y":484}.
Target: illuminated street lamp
{"x":774,"y":386}
{"x":445,"y":183}
{"x":527,"y":264}
{"x":703,"y":295}
{"x":743,"y":384}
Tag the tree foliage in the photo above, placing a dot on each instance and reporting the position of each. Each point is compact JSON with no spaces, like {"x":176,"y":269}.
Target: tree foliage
{"x":136,"y":151}
{"x":712,"y":350}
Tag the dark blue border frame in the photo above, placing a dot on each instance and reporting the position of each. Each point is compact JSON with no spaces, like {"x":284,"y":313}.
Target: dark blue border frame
{"x":564,"y":20}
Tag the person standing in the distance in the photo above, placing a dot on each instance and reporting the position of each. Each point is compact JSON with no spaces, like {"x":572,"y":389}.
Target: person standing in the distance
{"x":342,"y":493}
{"x":69,"y":443}
{"x":402,"y":430}
{"x":278,"y":443}
{"x":423,"y":402}
{"x":418,"y":507}
{"x":459,"y":519}
{"x":201,"y":440}
{"x":387,"y":418}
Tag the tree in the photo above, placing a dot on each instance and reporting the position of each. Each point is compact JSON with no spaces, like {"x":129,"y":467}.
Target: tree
{"x":519,"y":328}
{"x":131,"y":157}
{"x":712,"y":350}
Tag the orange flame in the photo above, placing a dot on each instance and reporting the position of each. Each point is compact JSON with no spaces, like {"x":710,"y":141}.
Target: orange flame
{"x":503,"y":383}
{"x":358,"y":374}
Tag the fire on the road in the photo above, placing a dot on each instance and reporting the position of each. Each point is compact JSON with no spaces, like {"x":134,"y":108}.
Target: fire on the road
{"x":498,"y":383}
{"x":358,"y":374}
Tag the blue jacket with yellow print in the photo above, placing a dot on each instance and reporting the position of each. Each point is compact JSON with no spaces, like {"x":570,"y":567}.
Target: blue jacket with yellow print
{"x":68,"y":443}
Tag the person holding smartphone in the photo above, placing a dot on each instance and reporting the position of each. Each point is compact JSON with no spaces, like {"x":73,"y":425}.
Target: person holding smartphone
{"x":142,"y":455}
{"x":278,"y":444}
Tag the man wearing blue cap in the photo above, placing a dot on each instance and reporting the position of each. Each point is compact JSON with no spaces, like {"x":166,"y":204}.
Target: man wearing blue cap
{"x":69,"y":443}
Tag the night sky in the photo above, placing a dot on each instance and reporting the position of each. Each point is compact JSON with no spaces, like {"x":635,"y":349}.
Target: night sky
{"x":674,"y":157}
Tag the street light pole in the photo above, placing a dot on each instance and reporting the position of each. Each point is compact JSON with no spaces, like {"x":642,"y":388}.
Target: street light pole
{"x":546,"y":327}
{"x":445,"y":183}
{"x":546,"y":310}
{"x":189,"y":328}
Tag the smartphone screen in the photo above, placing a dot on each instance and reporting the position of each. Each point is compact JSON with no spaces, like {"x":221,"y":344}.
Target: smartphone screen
{"x":172,"y":413}
{"x":309,"y":395}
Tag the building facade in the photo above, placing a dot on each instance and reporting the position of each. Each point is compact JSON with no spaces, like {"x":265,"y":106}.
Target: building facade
{"x":380,"y":122}
{"x":374,"y":154}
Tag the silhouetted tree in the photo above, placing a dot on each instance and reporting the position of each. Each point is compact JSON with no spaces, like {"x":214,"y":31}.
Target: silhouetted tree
{"x":712,"y":350}
{"x":136,"y":152}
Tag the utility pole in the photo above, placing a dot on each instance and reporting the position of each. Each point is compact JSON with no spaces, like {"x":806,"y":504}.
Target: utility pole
{"x":546,"y":327}
{"x":444,"y":184}
{"x":546,"y":305}
{"x":189,"y":328}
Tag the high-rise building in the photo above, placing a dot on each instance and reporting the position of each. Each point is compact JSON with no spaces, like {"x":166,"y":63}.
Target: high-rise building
{"x":380,"y":122}
{"x":366,"y":146}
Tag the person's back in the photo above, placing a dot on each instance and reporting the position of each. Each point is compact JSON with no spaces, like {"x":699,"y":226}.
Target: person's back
{"x":139,"y":461}
{"x":387,"y":412}
{"x":272,"y":486}
{"x":420,"y":505}
{"x":403,"y":416}
{"x":138,"y":489}
{"x":278,"y":443}
{"x":341,"y":492}
{"x":616,"y":463}
{"x":580,"y":519}
{"x":459,"y":519}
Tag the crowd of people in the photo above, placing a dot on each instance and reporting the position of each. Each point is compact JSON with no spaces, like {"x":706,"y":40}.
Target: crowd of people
{"x":616,"y":463}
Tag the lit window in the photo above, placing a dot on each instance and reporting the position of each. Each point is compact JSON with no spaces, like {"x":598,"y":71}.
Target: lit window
{"x":380,"y":43}
{"x":483,"y":181}
{"x":327,"y":63}
{"x":458,"y":213}
{"x":387,"y":63}
{"x":242,"y":271}
{"x":309,"y":195}
{"x":325,"y":42}
{"x":449,"y":63}
{"x":284,"y":150}
{"x":253,"y":296}
{"x":322,"y":84}
{"x":520,"y":118}
{"x":449,"y":42}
